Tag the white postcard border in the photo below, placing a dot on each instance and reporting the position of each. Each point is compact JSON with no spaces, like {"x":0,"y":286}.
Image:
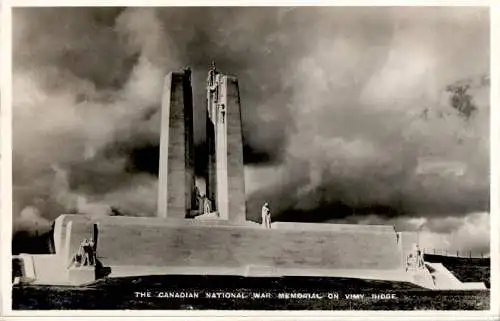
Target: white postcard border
{"x":6,"y":175}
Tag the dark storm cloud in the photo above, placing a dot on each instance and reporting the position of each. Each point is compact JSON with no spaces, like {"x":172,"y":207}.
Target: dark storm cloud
{"x":360,"y":142}
{"x":332,"y":105}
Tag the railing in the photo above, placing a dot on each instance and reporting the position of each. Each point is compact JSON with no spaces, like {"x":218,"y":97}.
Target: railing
{"x":451,"y":253}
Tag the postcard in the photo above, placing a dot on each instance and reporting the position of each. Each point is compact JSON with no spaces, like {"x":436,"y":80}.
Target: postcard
{"x":319,"y":158}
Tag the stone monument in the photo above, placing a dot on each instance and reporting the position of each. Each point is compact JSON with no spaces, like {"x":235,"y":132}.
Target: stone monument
{"x":176,"y":169}
{"x":224,"y":243}
{"x":225,"y":181}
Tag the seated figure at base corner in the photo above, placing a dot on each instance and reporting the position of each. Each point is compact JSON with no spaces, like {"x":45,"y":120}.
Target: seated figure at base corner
{"x":85,"y":255}
{"x":415,"y":259}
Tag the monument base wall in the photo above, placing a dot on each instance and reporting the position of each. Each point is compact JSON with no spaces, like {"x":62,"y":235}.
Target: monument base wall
{"x":140,"y":246}
{"x":137,"y":246}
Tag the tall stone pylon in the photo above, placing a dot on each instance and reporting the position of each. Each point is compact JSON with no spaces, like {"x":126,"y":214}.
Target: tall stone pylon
{"x":225,"y":181}
{"x":176,"y":168}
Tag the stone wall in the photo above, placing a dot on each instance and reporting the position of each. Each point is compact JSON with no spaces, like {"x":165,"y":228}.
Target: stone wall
{"x":129,"y":241}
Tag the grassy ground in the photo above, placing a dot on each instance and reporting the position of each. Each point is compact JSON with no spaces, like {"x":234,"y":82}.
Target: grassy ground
{"x":121,"y":294}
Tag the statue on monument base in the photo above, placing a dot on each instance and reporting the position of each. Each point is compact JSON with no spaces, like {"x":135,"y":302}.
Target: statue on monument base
{"x":266,"y":216}
{"x":197,"y":200}
{"x":415,"y":259}
{"x":85,"y":256}
{"x":207,"y":205}
{"x":205,"y":210}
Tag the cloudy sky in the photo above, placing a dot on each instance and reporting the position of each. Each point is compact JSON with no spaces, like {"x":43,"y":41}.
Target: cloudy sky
{"x":345,"y":110}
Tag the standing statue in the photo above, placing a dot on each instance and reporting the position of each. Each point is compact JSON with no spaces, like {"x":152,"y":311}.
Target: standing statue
{"x":222,"y":109}
{"x":207,"y":206}
{"x":91,"y":253}
{"x":212,"y":78}
{"x":86,"y":254}
{"x":197,"y":199}
{"x":266,"y":216}
{"x":187,"y":72}
{"x":420,"y":258}
{"x":213,"y":91}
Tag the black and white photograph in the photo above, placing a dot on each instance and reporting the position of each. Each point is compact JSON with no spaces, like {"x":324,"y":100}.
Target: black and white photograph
{"x":251,"y":158}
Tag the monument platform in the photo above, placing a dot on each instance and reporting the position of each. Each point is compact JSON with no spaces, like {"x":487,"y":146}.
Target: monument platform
{"x":131,"y":246}
{"x":129,"y":241}
{"x":135,"y":246}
